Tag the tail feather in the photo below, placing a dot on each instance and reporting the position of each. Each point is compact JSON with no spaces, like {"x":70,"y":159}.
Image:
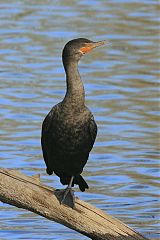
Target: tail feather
{"x":79,"y":180}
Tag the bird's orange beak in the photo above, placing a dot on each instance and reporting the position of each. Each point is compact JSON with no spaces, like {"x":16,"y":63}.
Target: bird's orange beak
{"x":89,"y":46}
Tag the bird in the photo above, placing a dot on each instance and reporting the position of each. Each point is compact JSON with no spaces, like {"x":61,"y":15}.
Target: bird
{"x":69,"y":129}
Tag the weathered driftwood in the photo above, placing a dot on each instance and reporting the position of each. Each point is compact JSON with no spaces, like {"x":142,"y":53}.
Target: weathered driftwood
{"x":26,"y":192}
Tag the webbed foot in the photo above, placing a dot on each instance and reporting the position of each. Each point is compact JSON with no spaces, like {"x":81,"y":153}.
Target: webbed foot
{"x":66,"y":196}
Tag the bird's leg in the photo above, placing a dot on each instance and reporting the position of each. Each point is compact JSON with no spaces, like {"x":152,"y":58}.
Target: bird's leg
{"x":68,"y":190}
{"x":66,"y":196}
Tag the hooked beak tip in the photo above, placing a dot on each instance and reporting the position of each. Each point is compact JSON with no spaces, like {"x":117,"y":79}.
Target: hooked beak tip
{"x":100,"y":43}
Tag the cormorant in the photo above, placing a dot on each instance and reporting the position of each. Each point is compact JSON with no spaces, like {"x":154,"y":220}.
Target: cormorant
{"x":69,"y":129}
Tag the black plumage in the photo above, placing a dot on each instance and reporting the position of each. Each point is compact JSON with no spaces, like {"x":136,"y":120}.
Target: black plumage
{"x":69,"y":129}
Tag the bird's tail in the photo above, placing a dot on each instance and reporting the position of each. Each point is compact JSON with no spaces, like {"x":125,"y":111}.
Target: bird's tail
{"x":81,"y":182}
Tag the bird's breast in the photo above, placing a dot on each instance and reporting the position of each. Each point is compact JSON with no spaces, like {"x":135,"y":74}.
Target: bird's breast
{"x":70,"y":131}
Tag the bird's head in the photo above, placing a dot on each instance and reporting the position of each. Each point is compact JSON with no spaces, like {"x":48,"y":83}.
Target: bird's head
{"x":76,"y":48}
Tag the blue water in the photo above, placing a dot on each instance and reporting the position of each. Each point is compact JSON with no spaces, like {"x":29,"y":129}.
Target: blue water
{"x":121,"y":83}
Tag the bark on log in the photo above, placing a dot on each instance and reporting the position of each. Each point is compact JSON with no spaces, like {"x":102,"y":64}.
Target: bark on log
{"x":25,"y":192}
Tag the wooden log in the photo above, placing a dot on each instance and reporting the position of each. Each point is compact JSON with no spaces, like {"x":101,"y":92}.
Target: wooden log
{"x":26,"y":192}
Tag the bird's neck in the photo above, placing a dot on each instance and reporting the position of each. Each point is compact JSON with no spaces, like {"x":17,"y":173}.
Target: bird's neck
{"x":75,"y":95}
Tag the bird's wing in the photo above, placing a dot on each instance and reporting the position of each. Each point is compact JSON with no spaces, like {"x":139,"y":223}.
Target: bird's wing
{"x":92,"y":130}
{"x":45,"y":137}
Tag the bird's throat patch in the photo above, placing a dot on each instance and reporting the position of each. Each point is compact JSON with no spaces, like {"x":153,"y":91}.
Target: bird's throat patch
{"x":86,"y":49}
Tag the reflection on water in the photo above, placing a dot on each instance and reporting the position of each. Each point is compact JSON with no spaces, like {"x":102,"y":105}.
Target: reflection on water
{"x":121,"y":90}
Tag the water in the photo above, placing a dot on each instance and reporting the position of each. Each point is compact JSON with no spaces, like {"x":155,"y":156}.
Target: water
{"x":121,"y":82}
